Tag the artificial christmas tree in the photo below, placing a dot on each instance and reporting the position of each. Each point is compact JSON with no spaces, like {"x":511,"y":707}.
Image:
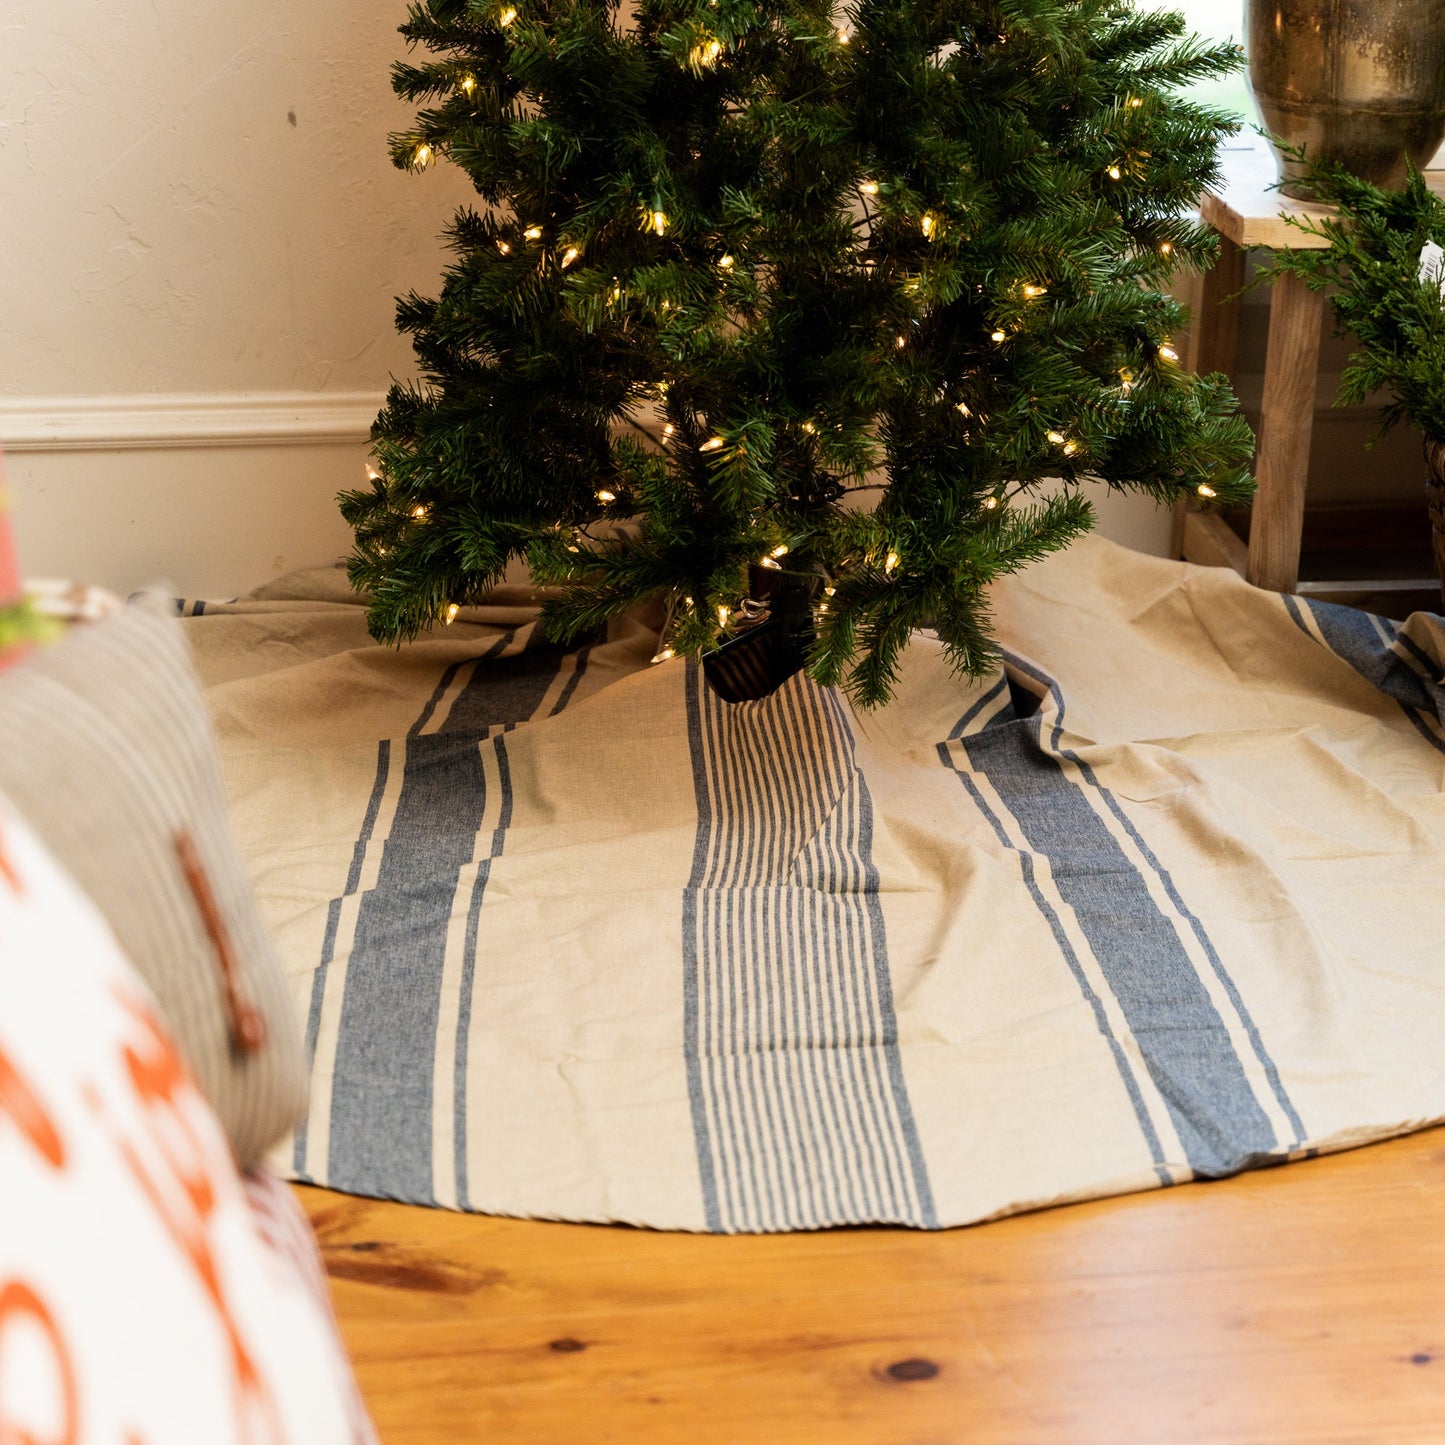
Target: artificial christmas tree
{"x":761,"y":284}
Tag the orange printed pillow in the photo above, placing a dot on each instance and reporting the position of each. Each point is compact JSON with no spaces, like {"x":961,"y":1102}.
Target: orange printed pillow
{"x":144,"y":1297}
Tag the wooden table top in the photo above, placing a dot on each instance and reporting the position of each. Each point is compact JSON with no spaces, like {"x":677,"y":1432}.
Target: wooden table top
{"x":1245,"y":209}
{"x":1291,"y":1306}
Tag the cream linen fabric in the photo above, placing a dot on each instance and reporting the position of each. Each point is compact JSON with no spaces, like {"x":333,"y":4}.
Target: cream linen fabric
{"x":573,"y":939}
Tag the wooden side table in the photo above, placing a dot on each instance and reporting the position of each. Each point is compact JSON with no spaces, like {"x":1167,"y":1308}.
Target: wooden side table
{"x":1247,"y":213}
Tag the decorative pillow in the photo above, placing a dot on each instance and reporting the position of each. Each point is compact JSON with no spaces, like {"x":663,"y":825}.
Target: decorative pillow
{"x":106,"y":749}
{"x":143,"y":1294}
{"x":15,"y":617}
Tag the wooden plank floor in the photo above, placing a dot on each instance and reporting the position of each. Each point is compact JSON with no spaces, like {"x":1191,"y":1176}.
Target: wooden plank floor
{"x":1303,"y":1304}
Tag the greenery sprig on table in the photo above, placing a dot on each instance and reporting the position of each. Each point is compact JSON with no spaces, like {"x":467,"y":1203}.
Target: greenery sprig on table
{"x":1371,"y":268}
{"x":833,"y":289}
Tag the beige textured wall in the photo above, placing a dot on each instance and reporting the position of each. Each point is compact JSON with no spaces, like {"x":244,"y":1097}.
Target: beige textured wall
{"x":197,"y":197}
{"x":198,"y":219}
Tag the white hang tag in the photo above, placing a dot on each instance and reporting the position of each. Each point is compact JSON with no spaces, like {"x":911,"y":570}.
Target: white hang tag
{"x":1432,"y":266}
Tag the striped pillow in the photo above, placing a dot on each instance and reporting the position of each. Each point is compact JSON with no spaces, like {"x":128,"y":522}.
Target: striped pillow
{"x":106,"y":749}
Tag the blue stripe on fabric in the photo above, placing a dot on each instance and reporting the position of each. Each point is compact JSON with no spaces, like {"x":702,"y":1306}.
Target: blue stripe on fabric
{"x":1351,"y":636}
{"x":383,"y":1079}
{"x":1171,"y":890}
{"x":440,"y":690}
{"x":883,"y":981}
{"x":1091,"y":997}
{"x":796,"y":793}
{"x":692,"y":1045}
{"x":328,"y":944}
{"x":565,"y":696}
{"x":1001,"y":686}
{"x":850,"y":843}
{"x":800,"y":1113}
{"x":1427,"y":663}
{"x":1185,"y":1045}
{"x":469,"y":968}
{"x":381,"y":1104}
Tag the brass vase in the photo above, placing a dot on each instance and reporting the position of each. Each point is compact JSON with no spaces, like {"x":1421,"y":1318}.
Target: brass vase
{"x":1357,"y":82}
{"x":1435,"y":496}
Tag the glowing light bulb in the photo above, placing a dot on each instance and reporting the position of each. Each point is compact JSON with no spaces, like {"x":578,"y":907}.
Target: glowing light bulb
{"x":1168,"y":353}
{"x":723,"y":613}
{"x":668,"y":430}
{"x":372,"y":475}
{"x":421,"y":157}
{"x":890,"y":561}
{"x":869,"y":188}
{"x":504,"y":247}
{"x":659,"y":222}
{"x":809,"y":428}
{"x":569,"y":256}
{"x":1206,"y":491}
{"x":900,"y":341}
{"x":451,"y":613}
{"x":506,"y":17}
{"x":1135,"y":102}
{"x":928,"y":223}
{"x":997,"y":336}
{"x":469,"y":84}
{"x":1032,"y":292}
{"x":822,"y":607}
{"x":714,"y":49}
{"x":663,"y":654}
{"x":1114,"y":173}
{"x":844,"y":38}
{"x":726,"y":262}
{"x":1165,"y":247}
{"x":605,"y":496}
{"x":1070,"y":448}
{"x":829,"y":591}
{"x":1057,"y":438}
{"x":990,"y":504}
{"x":533,"y":233}
{"x":964,"y":409}
{"x":419,"y":512}
{"x":712,"y":444}
{"x":769,"y":562}
{"x":781,"y":550}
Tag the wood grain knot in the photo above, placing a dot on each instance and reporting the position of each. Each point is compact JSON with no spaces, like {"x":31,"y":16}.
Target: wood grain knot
{"x":912,"y":1369}
{"x":567,"y":1345}
{"x":396,"y":1267}
{"x":1421,"y":1358}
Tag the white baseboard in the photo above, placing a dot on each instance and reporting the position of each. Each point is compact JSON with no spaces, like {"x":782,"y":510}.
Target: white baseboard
{"x":128,"y":423}
{"x":213,"y":518}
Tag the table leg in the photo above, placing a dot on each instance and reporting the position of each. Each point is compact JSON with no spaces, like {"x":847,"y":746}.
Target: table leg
{"x":1286,"y":419}
{"x":1213,"y":345}
{"x":1219,"y":307}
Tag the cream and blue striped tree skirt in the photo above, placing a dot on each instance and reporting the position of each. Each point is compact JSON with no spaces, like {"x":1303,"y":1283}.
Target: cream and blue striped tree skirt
{"x":571,"y":938}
